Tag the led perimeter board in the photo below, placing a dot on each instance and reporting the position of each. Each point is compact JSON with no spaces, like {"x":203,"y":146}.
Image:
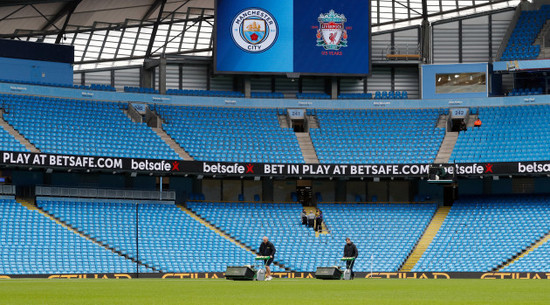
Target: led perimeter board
{"x":322,"y":37}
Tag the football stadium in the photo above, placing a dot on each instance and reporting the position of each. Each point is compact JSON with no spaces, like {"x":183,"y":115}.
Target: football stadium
{"x":290,"y":152}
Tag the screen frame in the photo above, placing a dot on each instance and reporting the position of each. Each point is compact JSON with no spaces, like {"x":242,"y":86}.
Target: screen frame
{"x":215,"y":70}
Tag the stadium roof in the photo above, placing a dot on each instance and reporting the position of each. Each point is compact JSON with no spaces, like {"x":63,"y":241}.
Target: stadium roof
{"x":124,"y":32}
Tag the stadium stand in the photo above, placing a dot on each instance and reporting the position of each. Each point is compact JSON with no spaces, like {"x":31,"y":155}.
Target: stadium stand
{"x":502,"y":129}
{"x":355,"y":96}
{"x":82,"y":128}
{"x":377,"y":136}
{"x":97,"y":87}
{"x":140,"y":90}
{"x":525,"y":91}
{"x":535,"y":261}
{"x":9,"y":143}
{"x":168,"y":239}
{"x":520,"y":45}
{"x":31,"y":243}
{"x":267,"y":95}
{"x":230,"y":134}
{"x":385,"y":95}
{"x":387,"y":232}
{"x":481,"y":233}
{"x":316,"y":96}
{"x":207,"y":93}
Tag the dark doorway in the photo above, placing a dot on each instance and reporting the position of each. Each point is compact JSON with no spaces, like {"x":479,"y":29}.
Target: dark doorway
{"x":298,"y":125}
{"x":458,"y":125}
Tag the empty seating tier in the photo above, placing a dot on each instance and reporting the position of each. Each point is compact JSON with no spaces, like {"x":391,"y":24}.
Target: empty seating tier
{"x":9,"y":143}
{"x":80,"y":127}
{"x":377,"y":136}
{"x":520,"y":45}
{"x":385,"y":232}
{"x":31,"y":243}
{"x":517,"y":133}
{"x":535,"y":261}
{"x":168,"y":239}
{"x":231,"y":134}
{"x":481,"y":233}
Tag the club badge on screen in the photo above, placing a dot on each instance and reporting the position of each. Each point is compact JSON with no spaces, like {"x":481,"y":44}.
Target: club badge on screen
{"x":254,"y":30}
{"x":332,"y":34}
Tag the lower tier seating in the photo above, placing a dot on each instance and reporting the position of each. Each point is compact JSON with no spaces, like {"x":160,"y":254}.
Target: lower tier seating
{"x":31,"y":243}
{"x":169,"y":239}
{"x":535,"y":261}
{"x":384,"y":232}
{"x":481,"y":233}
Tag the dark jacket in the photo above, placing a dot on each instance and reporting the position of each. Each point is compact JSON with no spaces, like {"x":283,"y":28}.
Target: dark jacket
{"x":267,"y":249}
{"x":350,"y":250}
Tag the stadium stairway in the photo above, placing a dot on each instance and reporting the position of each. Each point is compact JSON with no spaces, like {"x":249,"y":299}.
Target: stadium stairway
{"x":426,"y":239}
{"x":446,"y":148}
{"x":19,"y":137}
{"x":306,"y":146}
{"x":168,"y":139}
{"x":29,"y":204}
{"x":526,"y":251}
{"x":324,"y":228}
{"x":283,"y":120}
{"x":222,"y":233}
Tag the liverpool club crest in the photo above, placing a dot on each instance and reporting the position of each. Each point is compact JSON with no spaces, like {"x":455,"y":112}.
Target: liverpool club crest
{"x":332,"y":34}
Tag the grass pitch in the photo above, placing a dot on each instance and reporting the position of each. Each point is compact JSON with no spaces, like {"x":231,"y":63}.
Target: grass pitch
{"x":278,"y":291}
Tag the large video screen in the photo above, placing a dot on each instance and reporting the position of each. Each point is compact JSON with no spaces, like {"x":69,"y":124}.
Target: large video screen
{"x":324,"y":37}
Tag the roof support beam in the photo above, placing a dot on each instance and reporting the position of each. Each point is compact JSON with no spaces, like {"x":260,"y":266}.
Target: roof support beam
{"x":14,"y":12}
{"x":152,"y":9}
{"x":67,"y":9}
{"x":43,"y":16}
{"x":155,"y":29}
{"x":71,"y":8}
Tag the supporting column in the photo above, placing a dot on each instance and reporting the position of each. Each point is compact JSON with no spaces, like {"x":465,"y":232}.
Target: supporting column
{"x":340,"y":193}
{"x":162,"y":75}
{"x":267,"y":189}
{"x":487,"y":185}
{"x":247,"y":88}
{"x":334,"y":88}
{"x":146,"y":80}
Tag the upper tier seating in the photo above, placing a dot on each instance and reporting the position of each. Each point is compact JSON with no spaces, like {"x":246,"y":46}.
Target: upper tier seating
{"x":230,"y":134}
{"x":267,"y":95}
{"x":525,"y":91}
{"x":204,"y":93}
{"x":31,"y":243}
{"x":520,"y":45}
{"x":385,"y":95}
{"x":82,"y":128}
{"x":481,"y":233}
{"x":518,"y":133}
{"x":97,"y":87}
{"x":387,"y":232}
{"x":355,"y":96}
{"x":377,"y":136}
{"x":140,"y":90}
{"x":169,"y":239}
{"x":315,"y":96}
{"x":535,"y":261}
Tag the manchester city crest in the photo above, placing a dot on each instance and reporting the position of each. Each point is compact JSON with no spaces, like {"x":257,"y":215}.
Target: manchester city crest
{"x":254,"y":30}
{"x":332,"y":34}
